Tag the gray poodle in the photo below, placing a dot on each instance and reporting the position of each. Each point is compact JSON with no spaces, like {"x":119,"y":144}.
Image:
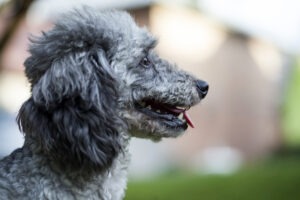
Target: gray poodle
{"x":95,"y":83}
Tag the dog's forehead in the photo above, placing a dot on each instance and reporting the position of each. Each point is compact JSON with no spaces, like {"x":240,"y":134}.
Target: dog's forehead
{"x":116,"y":27}
{"x":124,"y":25}
{"x":145,"y":39}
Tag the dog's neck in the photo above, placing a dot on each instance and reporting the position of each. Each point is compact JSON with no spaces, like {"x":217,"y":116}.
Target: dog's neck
{"x":33,"y":149}
{"x":88,"y":182}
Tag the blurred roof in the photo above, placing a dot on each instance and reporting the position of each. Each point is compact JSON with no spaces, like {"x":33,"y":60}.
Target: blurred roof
{"x":95,"y":3}
{"x":277,"y":21}
{"x":49,"y":9}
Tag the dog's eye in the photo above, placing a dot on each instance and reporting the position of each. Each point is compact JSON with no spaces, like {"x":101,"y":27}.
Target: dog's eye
{"x":145,"y":62}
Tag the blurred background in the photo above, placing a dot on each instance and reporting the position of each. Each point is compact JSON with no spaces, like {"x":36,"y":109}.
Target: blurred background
{"x":246,"y":143}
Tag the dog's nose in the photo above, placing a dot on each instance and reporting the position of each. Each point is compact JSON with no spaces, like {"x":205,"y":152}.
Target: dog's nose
{"x":202,"y":88}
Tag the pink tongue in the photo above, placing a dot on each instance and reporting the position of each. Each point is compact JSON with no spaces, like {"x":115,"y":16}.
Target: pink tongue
{"x":185,"y":115}
{"x":188,"y":119}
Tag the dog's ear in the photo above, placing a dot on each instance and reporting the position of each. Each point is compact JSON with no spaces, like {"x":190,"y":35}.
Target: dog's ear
{"x":85,"y":75}
{"x":73,"y":109}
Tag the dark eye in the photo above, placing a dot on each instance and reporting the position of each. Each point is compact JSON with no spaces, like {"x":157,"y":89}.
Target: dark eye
{"x":145,"y":62}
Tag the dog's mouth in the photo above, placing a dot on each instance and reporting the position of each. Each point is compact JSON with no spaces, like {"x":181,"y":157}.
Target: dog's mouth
{"x":172,"y":116}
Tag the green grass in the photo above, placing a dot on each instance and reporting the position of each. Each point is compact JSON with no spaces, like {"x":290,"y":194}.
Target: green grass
{"x":291,"y":109}
{"x":276,"y":180}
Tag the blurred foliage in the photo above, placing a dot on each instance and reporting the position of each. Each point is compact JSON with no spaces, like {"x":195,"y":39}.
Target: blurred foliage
{"x":291,"y":109}
{"x":276,"y":180}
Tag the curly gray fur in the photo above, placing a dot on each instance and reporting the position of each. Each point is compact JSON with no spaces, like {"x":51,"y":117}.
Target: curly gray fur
{"x":89,"y":77}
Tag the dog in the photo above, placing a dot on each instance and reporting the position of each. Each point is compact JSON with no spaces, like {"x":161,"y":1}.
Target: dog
{"x":95,"y":83}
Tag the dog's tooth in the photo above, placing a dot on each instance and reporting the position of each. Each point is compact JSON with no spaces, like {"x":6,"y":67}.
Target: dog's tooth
{"x":158,"y":111}
{"x":180,"y":116}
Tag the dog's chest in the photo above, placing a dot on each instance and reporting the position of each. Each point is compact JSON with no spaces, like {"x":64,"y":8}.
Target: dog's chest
{"x":115,"y":184}
{"x":110,"y":185}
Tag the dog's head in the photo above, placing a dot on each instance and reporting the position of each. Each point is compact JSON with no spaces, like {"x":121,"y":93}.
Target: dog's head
{"x":95,"y":75}
{"x":154,"y":94}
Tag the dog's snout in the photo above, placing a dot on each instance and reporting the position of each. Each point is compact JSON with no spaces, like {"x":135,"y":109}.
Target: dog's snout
{"x":202,"y":88}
